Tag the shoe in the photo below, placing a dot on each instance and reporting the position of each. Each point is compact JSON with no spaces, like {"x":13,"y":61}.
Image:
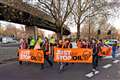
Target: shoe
{"x":42,"y":67}
{"x":66,"y":64}
{"x":94,"y":70}
{"x":51,"y":65}
{"x":113,"y":59}
{"x":61,"y":68}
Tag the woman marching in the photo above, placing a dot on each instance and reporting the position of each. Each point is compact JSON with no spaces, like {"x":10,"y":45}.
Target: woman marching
{"x":66,"y":44}
{"x":23,"y":45}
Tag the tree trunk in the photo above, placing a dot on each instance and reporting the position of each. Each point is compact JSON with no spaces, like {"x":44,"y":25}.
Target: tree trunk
{"x":78,"y":31}
{"x":89,"y":32}
{"x":61,"y":31}
{"x":59,"y":36}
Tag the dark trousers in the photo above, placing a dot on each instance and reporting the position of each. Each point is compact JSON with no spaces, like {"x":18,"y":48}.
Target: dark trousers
{"x":95,"y":61}
{"x":48,"y":60}
{"x":31,"y":47}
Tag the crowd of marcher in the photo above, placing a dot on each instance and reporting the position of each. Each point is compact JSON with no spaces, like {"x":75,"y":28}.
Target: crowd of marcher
{"x":47,"y":45}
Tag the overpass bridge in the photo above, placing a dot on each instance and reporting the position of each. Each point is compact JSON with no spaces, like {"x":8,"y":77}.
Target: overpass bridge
{"x":18,"y":12}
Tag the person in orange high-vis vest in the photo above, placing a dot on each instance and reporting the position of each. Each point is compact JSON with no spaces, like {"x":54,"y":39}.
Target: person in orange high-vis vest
{"x":78,"y":42}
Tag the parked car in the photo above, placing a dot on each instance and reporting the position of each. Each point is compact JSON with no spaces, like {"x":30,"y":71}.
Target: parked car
{"x":8,"y":40}
{"x":111,"y":42}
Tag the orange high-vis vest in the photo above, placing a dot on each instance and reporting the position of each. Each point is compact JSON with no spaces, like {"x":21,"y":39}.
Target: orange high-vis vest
{"x":78,"y":44}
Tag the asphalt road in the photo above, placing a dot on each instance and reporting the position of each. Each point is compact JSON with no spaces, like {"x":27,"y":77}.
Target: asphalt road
{"x":108,"y":70}
{"x":31,"y":71}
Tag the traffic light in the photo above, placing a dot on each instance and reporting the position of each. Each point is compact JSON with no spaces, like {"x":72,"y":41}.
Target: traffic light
{"x":109,"y":32}
{"x":99,"y":32}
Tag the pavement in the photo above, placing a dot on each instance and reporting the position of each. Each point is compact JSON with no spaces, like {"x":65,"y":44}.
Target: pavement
{"x":8,"y":54}
{"x":9,"y":45}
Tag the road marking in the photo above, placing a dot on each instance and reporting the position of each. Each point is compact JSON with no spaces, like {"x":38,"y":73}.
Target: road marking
{"x":118,"y":54}
{"x":107,"y":66}
{"x":91,"y":74}
{"x":116,"y":61}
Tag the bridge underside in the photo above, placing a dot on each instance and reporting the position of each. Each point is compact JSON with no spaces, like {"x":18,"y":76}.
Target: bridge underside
{"x":11,"y":14}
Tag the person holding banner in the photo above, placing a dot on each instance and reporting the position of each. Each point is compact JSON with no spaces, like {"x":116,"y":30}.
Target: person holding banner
{"x":79,"y":43}
{"x":66,"y":44}
{"x":45,"y":48}
{"x":23,"y":45}
{"x":60,"y":45}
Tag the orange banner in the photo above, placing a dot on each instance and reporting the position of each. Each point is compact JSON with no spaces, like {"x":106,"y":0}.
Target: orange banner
{"x":36,"y":56}
{"x":74,"y":55}
{"x":105,"y":51}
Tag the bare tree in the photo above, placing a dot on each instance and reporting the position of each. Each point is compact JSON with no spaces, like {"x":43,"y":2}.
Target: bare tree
{"x":40,"y":32}
{"x":1,"y":30}
{"x":85,"y":9}
{"x":59,"y":10}
{"x":11,"y":30}
{"x":102,"y":25}
{"x":85,"y":30}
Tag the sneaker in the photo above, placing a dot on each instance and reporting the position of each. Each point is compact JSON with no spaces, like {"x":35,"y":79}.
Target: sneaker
{"x":42,"y":68}
{"x":61,"y":67}
{"x":113,"y":59}
{"x":94,"y":70}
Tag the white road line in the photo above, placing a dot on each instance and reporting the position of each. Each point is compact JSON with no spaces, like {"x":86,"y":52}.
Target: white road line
{"x":91,"y":74}
{"x":116,"y":61}
{"x":107,"y":66}
{"x":118,"y":54}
